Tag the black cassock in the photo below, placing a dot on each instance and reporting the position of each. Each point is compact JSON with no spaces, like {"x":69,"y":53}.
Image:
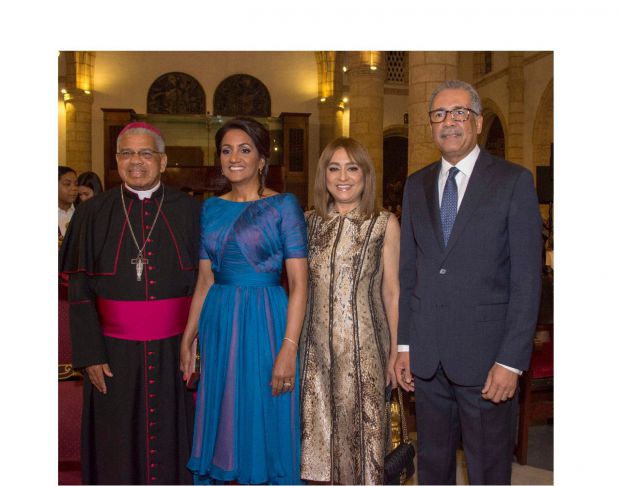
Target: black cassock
{"x":140,"y":432}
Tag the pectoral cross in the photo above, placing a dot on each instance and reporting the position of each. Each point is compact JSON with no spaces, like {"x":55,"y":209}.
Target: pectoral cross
{"x":139,"y":262}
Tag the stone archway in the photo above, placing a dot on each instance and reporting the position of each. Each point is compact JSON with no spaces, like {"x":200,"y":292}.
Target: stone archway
{"x":542,"y":138}
{"x":494,"y":136}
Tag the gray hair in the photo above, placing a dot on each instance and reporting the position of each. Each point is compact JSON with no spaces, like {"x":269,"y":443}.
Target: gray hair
{"x":160,"y":145}
{"x":476,"y":105}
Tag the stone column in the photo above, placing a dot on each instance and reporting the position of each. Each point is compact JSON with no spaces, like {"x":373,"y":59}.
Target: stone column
{"x":516,"y":87}
{"x":366,"y":72}
{"x":331,"y":108}
{"x":426,"y":71}
{"x":78,"y":106}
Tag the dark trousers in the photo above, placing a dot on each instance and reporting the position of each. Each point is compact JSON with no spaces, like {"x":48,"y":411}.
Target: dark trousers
{"x":446,"y":413}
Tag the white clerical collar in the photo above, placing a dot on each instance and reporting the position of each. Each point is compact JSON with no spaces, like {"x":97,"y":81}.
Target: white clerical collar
{"x":143,"y":194}
{"x":465,"y":165}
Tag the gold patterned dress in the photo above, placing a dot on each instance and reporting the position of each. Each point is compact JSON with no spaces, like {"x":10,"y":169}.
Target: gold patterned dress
{"x":345,"y":348}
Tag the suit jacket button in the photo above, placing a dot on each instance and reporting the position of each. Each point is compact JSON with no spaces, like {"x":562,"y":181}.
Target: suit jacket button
{"x":443,"y":271}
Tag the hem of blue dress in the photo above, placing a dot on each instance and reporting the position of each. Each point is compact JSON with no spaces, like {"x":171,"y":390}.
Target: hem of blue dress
{"x":216,"y":474}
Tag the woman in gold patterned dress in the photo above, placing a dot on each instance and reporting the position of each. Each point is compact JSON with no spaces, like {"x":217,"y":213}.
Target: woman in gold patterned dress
{"x":348,"y":344}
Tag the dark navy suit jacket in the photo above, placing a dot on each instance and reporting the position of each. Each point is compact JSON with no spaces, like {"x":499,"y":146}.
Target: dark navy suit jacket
{"x":474,"y":302}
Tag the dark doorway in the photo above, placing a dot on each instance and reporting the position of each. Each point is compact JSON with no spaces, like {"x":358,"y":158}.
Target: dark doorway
{"x":395,"y":149}
{"x":495,"y":138}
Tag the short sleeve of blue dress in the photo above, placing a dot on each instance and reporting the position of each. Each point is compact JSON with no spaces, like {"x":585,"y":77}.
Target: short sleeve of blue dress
{"x":293,"y":228}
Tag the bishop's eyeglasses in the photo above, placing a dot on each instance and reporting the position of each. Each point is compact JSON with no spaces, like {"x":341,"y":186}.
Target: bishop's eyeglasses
{"x":459,"y":114}
{"x":144,"y":155}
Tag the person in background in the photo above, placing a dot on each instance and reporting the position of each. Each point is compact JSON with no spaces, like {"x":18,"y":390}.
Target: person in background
{"x":348,"y":344}
{"x":89,"y":185}
{"x":470,"y":278}
{"x":67,"y":194}
{"x":132,"y":255}
{"x":247,"y":407}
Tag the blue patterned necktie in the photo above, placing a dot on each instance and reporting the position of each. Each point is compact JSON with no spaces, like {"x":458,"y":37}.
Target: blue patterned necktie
{"x":449,"y":202}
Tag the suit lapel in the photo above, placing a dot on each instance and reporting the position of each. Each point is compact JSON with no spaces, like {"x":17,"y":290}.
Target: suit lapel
{"x":476,"y":187}
{"x":432,"y":200}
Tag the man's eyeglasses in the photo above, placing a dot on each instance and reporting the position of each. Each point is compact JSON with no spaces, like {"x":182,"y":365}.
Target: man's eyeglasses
{"x":459,"y":114}
{"x":144,"y":155}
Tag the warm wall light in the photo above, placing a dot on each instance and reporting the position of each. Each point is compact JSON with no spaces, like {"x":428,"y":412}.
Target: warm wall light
{"x":322,"y":100}
{"x":345,"y":99}
{"x":63,"y":91}
{"x":373,"y":68}
{"x":344,"y":69}
{"x":86,"y":91}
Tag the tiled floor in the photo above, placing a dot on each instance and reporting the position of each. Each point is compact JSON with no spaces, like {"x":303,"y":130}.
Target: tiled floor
{"x":539,"y":469}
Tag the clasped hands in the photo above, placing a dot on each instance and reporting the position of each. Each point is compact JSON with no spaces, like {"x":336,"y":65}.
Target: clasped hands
{"x":500,"y":385}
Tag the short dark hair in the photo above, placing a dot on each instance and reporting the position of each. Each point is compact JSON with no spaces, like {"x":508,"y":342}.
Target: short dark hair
{"x":259,"y":135}
{"x":90,"y":179}
{"x":63,"y":169}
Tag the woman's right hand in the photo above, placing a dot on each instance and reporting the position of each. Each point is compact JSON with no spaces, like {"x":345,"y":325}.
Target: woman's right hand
{"x":188,"y":358}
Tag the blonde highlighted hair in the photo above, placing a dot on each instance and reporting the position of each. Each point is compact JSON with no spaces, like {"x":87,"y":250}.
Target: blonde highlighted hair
{"x":358,"y":154}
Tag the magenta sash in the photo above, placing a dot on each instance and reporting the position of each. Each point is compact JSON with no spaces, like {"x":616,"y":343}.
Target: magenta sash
{"x":138,"y":320}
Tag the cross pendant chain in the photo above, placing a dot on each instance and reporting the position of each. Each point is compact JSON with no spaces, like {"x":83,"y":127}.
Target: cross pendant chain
{"x":139,"y":262}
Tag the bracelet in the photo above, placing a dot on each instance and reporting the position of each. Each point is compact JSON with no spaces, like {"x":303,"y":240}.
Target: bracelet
{"x":290,"y":340}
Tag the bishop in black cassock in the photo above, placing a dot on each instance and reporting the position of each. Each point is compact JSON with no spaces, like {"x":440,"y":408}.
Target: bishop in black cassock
{"x":131,"y":254}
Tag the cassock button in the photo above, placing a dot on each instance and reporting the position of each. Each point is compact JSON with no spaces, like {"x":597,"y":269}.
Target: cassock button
{"x":148,"y":226}
{"x":152,"y":437}
{"x":443,"y":271}
{"x":151,"y":267}
{"x":149,"y":253}
{"x":151,"y":382}
{"x":152,"y":297}
{"x":151,"y":367}
{"x":151,"y":282}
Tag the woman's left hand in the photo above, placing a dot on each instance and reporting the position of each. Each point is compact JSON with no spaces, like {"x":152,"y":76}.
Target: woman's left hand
{"x":283,"y":374}
{"x":390,"y":376}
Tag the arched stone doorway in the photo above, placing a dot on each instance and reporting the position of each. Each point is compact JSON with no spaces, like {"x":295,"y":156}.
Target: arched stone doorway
{"x":493,"y":138}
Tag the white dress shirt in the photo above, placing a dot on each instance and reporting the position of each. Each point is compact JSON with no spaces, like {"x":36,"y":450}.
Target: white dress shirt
{"x":63,"y":219}
{"x":465,"y":167}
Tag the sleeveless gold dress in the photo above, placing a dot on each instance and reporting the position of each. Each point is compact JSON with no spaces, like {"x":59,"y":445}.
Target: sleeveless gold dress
{"x":345,"y":348}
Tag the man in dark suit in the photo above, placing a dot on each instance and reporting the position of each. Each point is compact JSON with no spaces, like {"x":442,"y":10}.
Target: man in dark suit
{"x":470,"y":277}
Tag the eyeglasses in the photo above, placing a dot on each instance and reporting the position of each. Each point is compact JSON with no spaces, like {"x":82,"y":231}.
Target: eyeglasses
{"x":459,"y":114}
{"x":144,"y":155}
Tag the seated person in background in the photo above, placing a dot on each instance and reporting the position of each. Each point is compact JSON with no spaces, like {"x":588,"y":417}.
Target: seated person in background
{"x":67,"y":194}
{"x":89,"y":185}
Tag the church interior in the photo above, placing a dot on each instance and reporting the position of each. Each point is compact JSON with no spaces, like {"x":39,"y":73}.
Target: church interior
{"x":306,"y":99}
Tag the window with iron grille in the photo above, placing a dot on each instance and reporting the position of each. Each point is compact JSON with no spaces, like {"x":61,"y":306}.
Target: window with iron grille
{"x":397,"y":69}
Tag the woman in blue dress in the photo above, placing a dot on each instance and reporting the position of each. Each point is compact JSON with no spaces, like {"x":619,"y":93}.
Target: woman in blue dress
{"x":247,"y":405}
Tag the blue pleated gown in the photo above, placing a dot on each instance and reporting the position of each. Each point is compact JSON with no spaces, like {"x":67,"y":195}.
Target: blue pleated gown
{"x":241,"y":431}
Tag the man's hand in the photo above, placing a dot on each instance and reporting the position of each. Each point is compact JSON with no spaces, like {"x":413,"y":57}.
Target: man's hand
{"x":96,"y":375}
{"x":501,"y":384}
{"x":402,"y":368}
